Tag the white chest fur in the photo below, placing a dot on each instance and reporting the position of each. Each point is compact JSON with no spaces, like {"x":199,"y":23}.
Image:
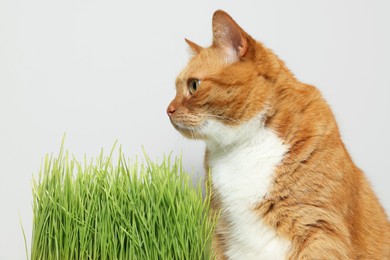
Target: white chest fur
{"x":242,"y":174}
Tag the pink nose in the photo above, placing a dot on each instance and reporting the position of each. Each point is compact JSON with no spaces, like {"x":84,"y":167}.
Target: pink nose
{"x":170,"y":110}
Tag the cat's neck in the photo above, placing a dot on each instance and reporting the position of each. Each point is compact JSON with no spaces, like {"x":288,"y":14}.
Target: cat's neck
{"x":228,"y":139}
{"x":223,"y":138}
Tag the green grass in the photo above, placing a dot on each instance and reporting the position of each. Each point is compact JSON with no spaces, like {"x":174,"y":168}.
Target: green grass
{"x":122,"y":209}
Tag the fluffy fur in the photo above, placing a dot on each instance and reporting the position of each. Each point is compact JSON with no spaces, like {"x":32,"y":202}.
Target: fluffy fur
{"x":281,"y":177}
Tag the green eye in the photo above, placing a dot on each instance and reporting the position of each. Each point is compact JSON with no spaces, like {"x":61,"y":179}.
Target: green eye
{"x":193,"y":85}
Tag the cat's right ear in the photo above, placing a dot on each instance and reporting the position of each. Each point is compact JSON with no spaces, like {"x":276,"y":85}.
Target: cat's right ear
{"x":195,"y":47}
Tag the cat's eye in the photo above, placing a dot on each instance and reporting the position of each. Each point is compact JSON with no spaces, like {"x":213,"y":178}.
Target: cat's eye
{"x":193,"y":85}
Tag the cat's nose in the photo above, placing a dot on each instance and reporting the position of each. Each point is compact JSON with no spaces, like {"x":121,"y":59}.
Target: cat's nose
{"x":170,"y":110}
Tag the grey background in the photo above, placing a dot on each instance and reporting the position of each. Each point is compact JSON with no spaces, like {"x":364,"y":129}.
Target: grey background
{"x":105,"y":70}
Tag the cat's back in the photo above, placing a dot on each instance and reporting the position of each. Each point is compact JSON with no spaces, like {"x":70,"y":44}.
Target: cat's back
{"x":367,"y":222}
{"x":318,"y":189}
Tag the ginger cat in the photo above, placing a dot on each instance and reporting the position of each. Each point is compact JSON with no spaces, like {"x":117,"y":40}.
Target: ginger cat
{"x":281,"y":177}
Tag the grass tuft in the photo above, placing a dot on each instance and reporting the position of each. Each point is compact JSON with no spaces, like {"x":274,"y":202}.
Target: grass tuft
{"x":122,"y":209}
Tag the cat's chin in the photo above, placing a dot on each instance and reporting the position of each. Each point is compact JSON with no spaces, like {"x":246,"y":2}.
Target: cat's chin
{"x":189,"y":132}
{"x":191,"y":135}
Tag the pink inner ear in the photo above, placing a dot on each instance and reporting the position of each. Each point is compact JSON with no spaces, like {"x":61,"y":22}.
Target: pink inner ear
{"x":228,"y":34}
{"x":195,"y":47}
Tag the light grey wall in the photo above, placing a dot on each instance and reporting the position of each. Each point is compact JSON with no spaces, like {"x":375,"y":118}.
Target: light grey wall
{"x":105,"y":70}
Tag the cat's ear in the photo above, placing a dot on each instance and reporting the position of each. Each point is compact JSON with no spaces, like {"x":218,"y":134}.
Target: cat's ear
{"x":227,"y":34}
{"x":195,"y":47}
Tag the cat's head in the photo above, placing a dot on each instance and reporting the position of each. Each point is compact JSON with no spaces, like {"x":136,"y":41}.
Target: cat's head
{"x":226,"y":88}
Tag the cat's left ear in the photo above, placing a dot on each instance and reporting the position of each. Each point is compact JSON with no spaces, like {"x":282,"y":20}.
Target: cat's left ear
{"x":227,"y":34}
{"x":195,"y":47}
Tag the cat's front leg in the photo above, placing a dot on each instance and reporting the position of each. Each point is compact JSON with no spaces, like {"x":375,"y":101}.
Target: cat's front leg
{"x":218,"y":247}
{"x":219,"y":242}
